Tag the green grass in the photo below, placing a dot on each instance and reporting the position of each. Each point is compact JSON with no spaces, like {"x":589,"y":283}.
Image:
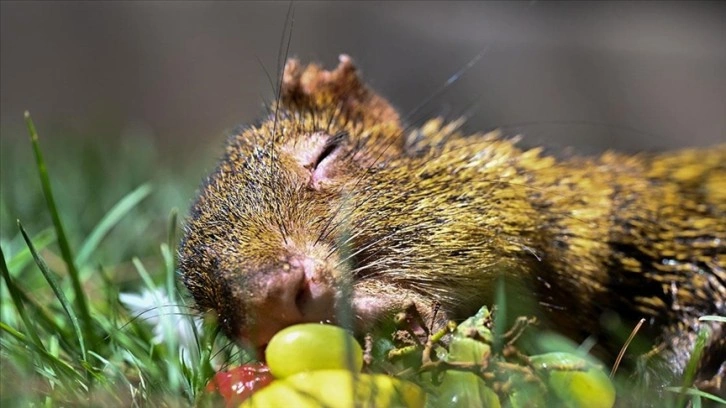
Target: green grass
{"x":91,"y":311}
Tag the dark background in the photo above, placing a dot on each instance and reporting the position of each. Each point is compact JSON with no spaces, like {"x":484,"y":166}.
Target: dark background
{"x":593,"y":75}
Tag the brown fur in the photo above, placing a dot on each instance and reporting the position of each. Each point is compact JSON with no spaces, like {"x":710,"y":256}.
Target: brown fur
{"x":430,"y":215}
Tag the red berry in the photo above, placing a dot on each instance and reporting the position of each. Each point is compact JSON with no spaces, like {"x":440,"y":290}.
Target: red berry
{"x":237,"y":384}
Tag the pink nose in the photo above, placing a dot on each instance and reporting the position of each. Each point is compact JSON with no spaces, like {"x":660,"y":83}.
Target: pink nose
{"x":302,"y":292}
{"x":277,"y":305}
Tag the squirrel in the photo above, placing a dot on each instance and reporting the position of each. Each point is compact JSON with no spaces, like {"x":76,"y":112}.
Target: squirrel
{"x":332,"y":204}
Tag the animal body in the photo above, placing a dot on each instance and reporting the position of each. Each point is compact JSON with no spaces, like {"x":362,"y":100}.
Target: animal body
{"x":330,"y":204}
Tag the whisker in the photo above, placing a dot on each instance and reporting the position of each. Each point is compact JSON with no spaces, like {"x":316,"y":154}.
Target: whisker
{"x":362,"y":249}
{"x":140,"y":315}
{"x":290,"y":17}
{"x":267,"y":74}
{"x":575,"y":122}
{"x":445,"y":86}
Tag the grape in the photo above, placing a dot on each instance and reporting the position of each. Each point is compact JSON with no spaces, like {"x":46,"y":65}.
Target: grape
{"x":237,"y":384}
{"x":465,"y":389}
{"x":466,"y":350}
{"x":312,"y":346}
{"x":525,"y":392}
{"x":575,"y":381}
{"x":338,"y":389}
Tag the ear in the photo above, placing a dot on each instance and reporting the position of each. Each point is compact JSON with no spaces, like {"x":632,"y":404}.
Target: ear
{"x":314,"y":88}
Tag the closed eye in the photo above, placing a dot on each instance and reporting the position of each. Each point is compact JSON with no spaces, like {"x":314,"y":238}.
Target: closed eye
{"x":331,"y":145}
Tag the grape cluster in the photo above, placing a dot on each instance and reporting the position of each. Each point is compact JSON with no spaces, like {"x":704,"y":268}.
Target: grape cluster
{"x":464,"y":365}
{"x":467,"y":365}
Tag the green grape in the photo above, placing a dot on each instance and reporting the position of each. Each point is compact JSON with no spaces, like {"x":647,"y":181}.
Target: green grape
{"x":526,"y":395}
{"x":312,"y":346}
{"x":471,"y":342}
{"x":466,"y":350}
{"x":575,"y":381}
{"x":465,"y":389}
{"x":338,"y":389}
{"x":477,"y":324}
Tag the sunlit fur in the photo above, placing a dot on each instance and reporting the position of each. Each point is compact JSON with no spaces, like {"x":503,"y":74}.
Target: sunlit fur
{"x":433,"y":216}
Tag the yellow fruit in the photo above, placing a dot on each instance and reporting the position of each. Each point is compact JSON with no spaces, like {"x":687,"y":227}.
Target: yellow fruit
{"x":312,"y":346}
{"x":338,"y":389}
{"x":279,"y":394}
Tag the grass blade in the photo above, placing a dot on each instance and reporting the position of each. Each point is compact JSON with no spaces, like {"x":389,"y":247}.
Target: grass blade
{"x":126,"y":204}
{"x":143,"y":273}
{"x":19,"y":260}
{"x":55,"y":362}
{"x":39,"y":314}
{"x":170,"y":273}
{"x":500,"y":317}
{"x":720,"y":319}
{"x":19,"y":305}
{"x":171,"y":234}
{"x":60,"y":232}
{"x":698,"y":393}
{"x":692,"y":365}
{"x":166,"y":321}
{"x":58,"y":293}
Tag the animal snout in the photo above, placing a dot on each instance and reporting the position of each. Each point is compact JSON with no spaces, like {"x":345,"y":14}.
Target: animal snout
{"x":275,"y":304}
{"x":298,"y":292}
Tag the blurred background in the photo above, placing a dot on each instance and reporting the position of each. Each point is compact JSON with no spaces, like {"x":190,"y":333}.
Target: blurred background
{"x":184,"y":72}
{"x":125,"y":92}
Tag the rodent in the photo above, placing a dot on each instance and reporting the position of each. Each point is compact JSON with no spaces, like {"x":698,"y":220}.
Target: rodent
{"x":331,"y":202}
